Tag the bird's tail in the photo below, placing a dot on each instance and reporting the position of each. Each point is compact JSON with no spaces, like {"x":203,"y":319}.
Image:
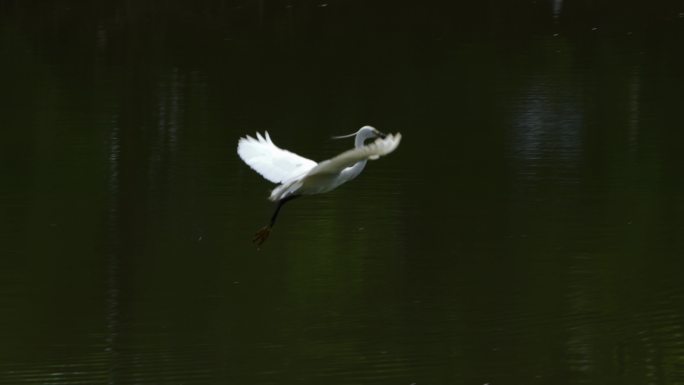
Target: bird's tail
{"x":285,"y":190}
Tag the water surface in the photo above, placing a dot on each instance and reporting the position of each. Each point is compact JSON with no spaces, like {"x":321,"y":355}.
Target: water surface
{"x":528,"y":229}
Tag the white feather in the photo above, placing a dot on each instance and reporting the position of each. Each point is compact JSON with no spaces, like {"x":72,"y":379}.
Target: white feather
{"x":375,"y":150}
{"x":273,"y":163}
{"x":301,"y":176}
{"x":333,"y":172}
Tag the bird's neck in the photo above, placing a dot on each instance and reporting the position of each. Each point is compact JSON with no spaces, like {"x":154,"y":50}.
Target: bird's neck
{"x":360,"y":140}
{"x":354,"y":171}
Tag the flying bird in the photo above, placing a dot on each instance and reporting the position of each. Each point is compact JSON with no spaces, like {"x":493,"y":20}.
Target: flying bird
{"x":297,"y":176}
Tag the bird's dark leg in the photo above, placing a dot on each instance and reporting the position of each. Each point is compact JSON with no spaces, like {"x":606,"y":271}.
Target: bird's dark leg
{"x":263,"y":233}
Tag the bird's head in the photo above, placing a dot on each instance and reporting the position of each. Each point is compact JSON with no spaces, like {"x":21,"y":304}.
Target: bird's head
{"x":364,"y":133}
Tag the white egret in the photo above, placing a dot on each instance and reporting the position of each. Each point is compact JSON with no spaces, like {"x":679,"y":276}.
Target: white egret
{"x":299,"y":176}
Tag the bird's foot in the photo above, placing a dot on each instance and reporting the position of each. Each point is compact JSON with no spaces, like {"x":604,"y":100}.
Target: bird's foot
{"x":262,"y":235}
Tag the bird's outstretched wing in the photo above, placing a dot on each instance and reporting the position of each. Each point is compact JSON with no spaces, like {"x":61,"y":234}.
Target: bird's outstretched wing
{"x":273,"y":163}
{"x":380,"y":147}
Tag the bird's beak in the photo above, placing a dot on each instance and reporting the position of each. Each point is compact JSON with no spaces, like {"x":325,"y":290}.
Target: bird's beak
{"x":343,"y":136}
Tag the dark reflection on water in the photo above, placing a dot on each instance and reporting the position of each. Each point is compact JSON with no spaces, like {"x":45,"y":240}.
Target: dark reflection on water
{"x":528,"y":230}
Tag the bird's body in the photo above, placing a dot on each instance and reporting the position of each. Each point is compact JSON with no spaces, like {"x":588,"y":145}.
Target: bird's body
{"x":299,"y":176}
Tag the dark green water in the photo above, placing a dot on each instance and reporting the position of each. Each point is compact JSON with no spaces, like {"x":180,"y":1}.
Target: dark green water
{"x":528,"y":230}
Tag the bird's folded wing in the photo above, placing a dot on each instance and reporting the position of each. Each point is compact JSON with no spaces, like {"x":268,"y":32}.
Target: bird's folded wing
{"x":380,"y":147}
{"x":272,"y":162}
